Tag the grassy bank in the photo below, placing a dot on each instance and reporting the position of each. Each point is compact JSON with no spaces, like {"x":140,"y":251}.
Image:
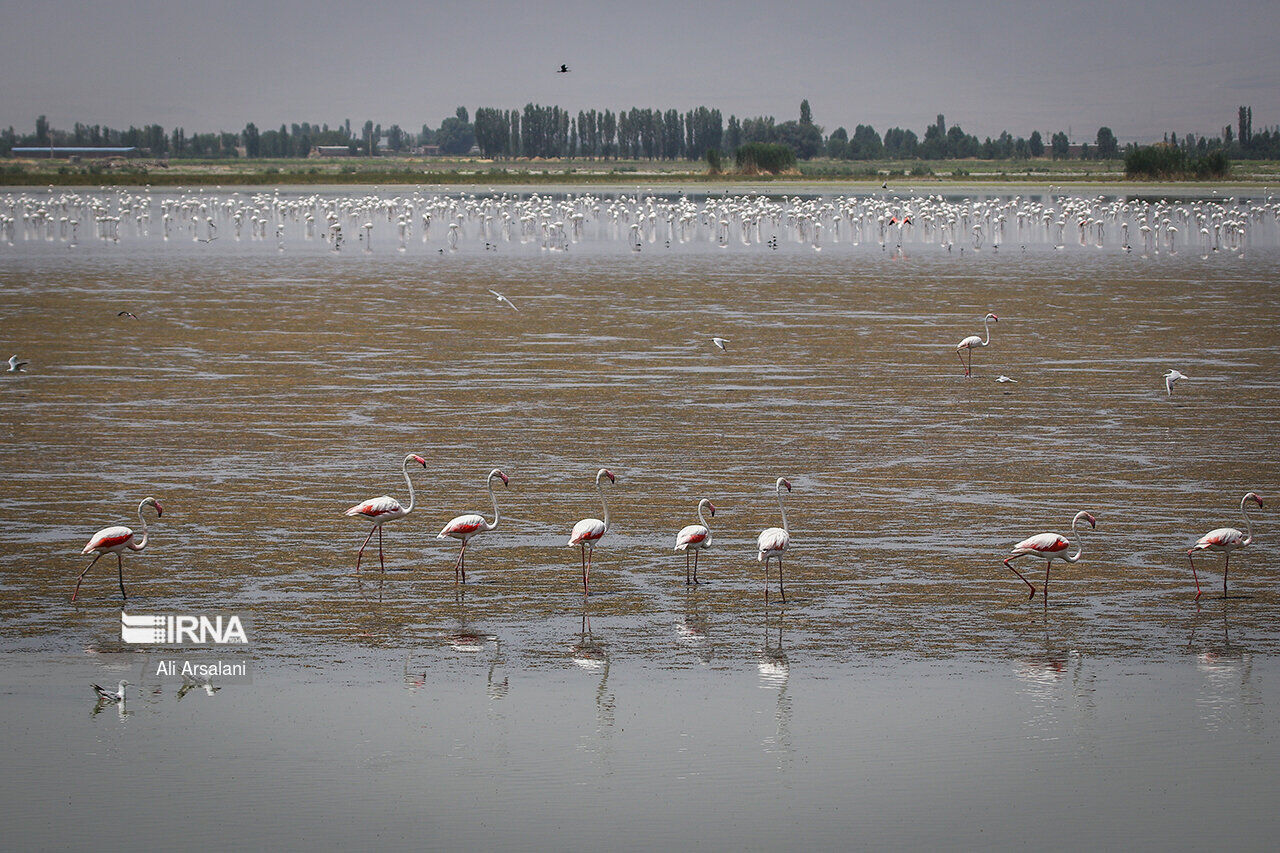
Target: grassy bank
{"x":417,"y":171}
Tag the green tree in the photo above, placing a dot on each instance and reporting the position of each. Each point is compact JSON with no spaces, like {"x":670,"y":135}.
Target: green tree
{"x":1035,"y":145}
{"x":806,"y":115}
{"x":1106,"y":146}
{"x":1060,"y":145}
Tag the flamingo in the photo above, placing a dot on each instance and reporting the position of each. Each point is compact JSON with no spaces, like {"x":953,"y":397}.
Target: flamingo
{"x":773,"y":541}
{"x":464,"y":527}
{"x":974,"y":341}
{"x":1225,"y":539}
{"x":1052,"y":547}
{"x":113,"y":540}
{"x":383,"y":509}
{"x":587,"y":532}
{"x":1171,"y":377}
{"x":695,"y":538}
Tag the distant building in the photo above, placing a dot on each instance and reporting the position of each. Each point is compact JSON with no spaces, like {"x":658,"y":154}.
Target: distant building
{"x":331,"y":151}
{"x":427,"y":150}
{"x":46,"y":151}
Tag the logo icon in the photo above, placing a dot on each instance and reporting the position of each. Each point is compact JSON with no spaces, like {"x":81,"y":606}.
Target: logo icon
{"x":171,"y":629}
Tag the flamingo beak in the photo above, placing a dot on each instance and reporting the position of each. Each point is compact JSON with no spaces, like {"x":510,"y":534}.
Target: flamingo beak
{"x":713,"y":510}
{"x":159,"y":510}
{"x":609,"y":474}
{"x":1093,"y":522}
{"x":1257,"y":499}
{"x":787,"y":483}
{"x":505,"y":479}
{"x":420,"y":461}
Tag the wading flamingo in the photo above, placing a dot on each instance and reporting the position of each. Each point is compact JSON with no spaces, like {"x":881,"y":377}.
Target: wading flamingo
{"x":695,"y":538}
{"x":773,"y":541}
{"x":1052,"y":547}
{"x":464,"y":527}
{"x":1225,"y":539}
{"x":587,"y":533}
{"x":974,"y":341}
{"x":383,"y":509}
{"x":113,"y":540}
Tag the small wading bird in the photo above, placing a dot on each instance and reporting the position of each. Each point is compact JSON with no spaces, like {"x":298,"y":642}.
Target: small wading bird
{"x":127,"y":314}
{"x":1052,"y":547}
{"x":502,"y":298}
{"x":1171,"y":377}
{"x":382,"y":509}
{"x":114,"y":540}
{"x":974,"y":341}
{"x":773,"y":542}
{"x":722,"y":343}
{"x":1225,"y":539}
{"x":105,"y":695}
{"x":587,"y":533}
{"x":16,"y":366}
{"x":695,"y":538}
{"x":464,"y":527}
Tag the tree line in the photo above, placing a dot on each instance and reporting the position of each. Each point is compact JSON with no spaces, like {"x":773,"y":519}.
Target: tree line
{"x":635,"y":133}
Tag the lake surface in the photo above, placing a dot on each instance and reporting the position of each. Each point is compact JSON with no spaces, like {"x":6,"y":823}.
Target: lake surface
{"x":907,"y":693}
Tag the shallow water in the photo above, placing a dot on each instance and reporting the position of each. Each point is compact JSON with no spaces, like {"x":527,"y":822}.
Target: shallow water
{"x":907,"y":691}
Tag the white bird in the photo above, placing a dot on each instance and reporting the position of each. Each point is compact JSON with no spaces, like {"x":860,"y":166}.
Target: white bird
{"x":105,"y":695}
{"x":502,"y":298}
{"x":723,"y":343}
{"x":695,"y":537}
{"x":1171,"y":377}
{"x":1003,"y":378}
{"x":773,"y":542}
{"x":16,"y":366}
{"x":974,"y":341}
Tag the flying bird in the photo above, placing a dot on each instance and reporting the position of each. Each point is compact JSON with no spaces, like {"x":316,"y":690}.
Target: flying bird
{"x":1003,"y":378}
{"x":723,"y":343}
{"x":502,"y":298}
{"x":1171,"y":377}
{"x":16,"y":366}
{"x":127,"y":314}
{"x":564,"y":69}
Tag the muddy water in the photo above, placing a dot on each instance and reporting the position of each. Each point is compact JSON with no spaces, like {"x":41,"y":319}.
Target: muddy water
{"x":260,"y":394}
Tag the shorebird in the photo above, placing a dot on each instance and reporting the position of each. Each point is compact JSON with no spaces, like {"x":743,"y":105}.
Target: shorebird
{"x":722,"y":343}
{"x":105,"y":695}
{"x":16,"y":366}
{"x":127,"y":314}
{"x":1171,"y":377}
{"x":502,"y":298}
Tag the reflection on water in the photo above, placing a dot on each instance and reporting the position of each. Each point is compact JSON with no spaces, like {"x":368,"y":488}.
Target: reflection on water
{"x":774,"y":668}
{"x":1228,"y":696}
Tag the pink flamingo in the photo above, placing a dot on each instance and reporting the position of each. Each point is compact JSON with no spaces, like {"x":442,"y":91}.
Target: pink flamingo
{"x":695,"y":538}
{"x":773,"y":542}
{"x":1225,"y":539}
{"x":974,"y":341}
{"x":1052,"y":547}
{"x":383,"y":509}
{"x":464,"y":527}
{"x":113,"y":540}
{"x":587,"y":533}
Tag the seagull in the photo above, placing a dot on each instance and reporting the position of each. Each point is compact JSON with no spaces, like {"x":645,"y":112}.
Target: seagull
{"x":502,"y":298}
{"x":16,"y":366}
{"x":564,"y":69}
{"x":721,"y":342}
{"x":105,"y":695}
{"x":1169,"y":378}
{"x":1003,"y":378}
{"x":127,"y":314}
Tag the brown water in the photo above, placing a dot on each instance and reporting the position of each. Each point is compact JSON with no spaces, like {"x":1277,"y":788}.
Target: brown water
{"x":261,"y":393}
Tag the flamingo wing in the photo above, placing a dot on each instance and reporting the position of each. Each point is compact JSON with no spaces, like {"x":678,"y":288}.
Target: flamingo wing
{"x":463,"y":526}
{"x":109,"y":537}
{"x":971,"y":341}
{"x":772,"y":541}
{"x":384,"y":508}
{"x":693,"y":536}
{"x":1043,"y":543}
{"x":587,"y":530}
{"x":1224,"y":538}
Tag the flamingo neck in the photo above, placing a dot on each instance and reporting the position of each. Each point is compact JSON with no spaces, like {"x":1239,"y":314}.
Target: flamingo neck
{"x":1079,"y":534}
{"x":986,"y":325}
{"x":782,"y":509}
{"x":603,"y":503}
{"x":408,"y":481}
{"x":494,"y":498}
{"x":1244,"y":504}
{"x":702,"y":520}
{"x":141,"y":543}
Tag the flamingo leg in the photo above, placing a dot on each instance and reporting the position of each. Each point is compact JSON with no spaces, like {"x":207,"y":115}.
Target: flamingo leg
{"x":686,"y":568}
{"x":85,"y":572}
{"x":1020,"y":575}
{"x":1225,"y":566}
{"x":360,"y":553}
{"x":591,"y":552}
{"x":1047,"y":564}
{"x":462,"y":562}
{"x":1195,"y":576}
{"x":584,"y":569}
{"x":781,"y":589}
{"x":381,"y":561}
{"x":457,"y":564}
{"x":961,"y":357}
{"x":120,"y":570}
{"x":695,"y":567}
{"x":766,"y":579}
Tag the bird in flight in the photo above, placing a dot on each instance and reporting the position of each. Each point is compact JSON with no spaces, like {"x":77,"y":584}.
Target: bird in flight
{"x":1003,"y":378}
{"x":721,"y":342}
{"x":1171,"y":377}
{"x":16,"y":366}
{"x":127,"y":314}
{"x":564,"y":69}
{"x":502,"y":298}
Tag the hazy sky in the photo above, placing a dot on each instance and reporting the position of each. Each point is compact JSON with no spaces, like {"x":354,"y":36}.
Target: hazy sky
{"x":1140,"y":68}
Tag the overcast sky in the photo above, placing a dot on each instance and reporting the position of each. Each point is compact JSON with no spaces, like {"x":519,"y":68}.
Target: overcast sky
{"x":1141,"y":68}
